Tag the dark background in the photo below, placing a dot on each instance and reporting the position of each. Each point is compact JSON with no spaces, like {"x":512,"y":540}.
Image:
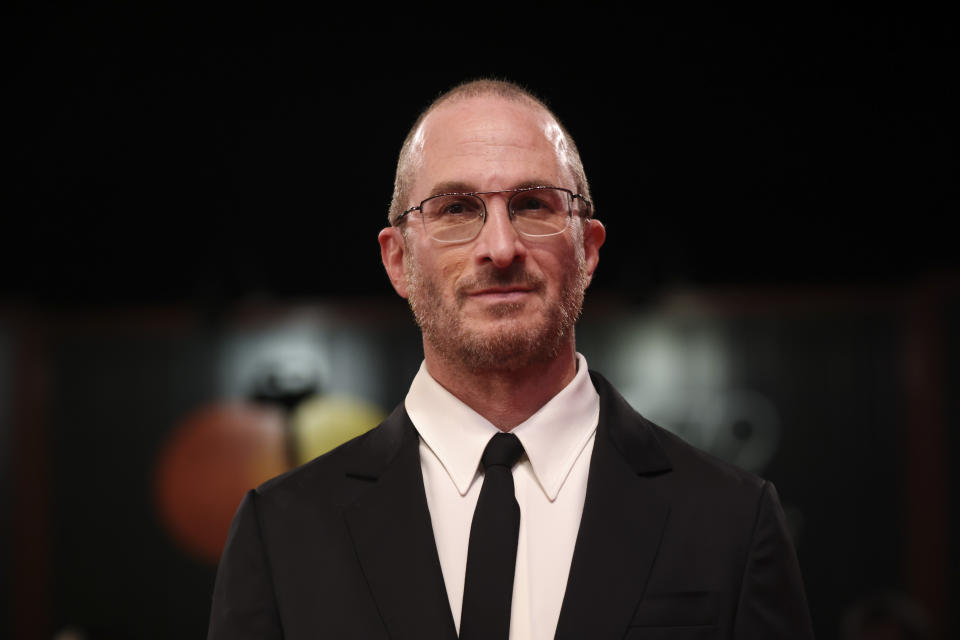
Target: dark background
{"x":171,"y":165}
{"x":165,"y":155}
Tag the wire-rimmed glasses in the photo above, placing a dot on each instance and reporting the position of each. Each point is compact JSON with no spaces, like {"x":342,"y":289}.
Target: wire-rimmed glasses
{"x":536,"y":212}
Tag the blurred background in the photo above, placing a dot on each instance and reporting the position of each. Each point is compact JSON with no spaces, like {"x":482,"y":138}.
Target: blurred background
{"x":192,"y":301}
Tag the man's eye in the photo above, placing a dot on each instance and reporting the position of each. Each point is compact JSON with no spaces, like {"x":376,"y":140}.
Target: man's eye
{"x":532,"y":204}
{"x":453,"y":209}
{"x":535,"y":206}
{"x":458,"y":208}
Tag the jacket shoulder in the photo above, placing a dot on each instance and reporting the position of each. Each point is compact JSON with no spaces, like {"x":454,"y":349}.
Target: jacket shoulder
{"x":336,"y":476}
{"x":653,"y":450}
{"x":688,"y":460}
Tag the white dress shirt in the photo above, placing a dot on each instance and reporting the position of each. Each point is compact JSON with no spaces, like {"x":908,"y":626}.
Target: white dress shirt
{"x":550,"y":482}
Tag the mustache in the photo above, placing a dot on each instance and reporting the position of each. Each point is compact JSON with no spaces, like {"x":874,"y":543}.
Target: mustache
{"x":514,"y":275}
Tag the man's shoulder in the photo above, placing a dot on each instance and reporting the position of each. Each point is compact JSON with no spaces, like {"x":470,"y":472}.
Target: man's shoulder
{"x":695,"y":465}
{"x":668,"y":456}
{"x":336,"y":476}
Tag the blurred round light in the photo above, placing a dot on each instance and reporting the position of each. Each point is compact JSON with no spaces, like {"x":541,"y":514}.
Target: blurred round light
{"x":321,"y":423}
{"x":214,"y":456}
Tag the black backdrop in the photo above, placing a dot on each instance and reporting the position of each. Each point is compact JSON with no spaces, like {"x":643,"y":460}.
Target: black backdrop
{"x":164,"y":154}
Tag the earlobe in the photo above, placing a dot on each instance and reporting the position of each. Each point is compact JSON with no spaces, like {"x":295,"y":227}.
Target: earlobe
{"x":594,"y":235}
{"x":392,"y":247}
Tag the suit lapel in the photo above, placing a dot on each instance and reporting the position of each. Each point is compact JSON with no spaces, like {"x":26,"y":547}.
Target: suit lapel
{"x":393,"y":537}
{"x":623,"y":520}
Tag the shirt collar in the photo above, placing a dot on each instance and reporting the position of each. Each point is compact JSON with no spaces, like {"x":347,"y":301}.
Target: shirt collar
{"x":552,"y":438}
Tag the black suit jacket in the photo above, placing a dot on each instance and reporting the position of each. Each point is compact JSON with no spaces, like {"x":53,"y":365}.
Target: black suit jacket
{"x":672,"y":544}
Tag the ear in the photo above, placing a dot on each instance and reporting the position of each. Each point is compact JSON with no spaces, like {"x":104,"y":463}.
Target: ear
{"x":392,"y":247}
{"x":594,"y":235}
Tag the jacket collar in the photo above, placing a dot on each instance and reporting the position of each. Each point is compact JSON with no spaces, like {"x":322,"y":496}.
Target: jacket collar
{"x":628,"y":432}
{"x":623,"y":520}
{"x":392,"y":534}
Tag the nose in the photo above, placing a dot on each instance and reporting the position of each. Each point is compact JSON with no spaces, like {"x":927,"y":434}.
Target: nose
{"x":499,"y":242}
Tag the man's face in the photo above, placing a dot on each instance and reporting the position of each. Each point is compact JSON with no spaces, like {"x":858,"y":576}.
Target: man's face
{"x":501,"y":300}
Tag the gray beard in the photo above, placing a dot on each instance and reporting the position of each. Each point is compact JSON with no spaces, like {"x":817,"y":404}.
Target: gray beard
{"x":512,"y":345}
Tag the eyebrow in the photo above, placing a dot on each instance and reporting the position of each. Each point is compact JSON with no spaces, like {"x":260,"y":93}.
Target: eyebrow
{"x":456,"y":186}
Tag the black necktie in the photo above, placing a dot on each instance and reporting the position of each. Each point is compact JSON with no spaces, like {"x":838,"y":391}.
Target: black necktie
{"x":492,"y":555}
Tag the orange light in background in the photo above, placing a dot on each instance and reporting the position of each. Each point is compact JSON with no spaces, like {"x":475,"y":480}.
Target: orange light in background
{"x":208,"y":462}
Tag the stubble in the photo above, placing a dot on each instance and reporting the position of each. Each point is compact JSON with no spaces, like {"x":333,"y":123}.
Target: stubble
{"x":513,"y":339}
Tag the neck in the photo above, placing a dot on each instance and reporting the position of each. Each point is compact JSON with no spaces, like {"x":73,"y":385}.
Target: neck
{"x":504,"y":397}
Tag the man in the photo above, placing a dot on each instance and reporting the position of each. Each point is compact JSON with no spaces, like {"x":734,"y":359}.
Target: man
{"x":514,"y":493}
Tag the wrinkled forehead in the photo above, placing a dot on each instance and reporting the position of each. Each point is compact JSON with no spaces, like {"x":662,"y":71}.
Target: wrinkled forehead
{"x":488,"y":133}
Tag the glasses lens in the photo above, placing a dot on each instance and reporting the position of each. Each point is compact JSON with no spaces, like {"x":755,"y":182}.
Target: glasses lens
{"x":540,"y":212}
{"x":453,"y":218}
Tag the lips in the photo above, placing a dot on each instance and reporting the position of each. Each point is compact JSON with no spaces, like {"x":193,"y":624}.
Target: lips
{"x":497,"y":291}
{"x":499,"y":295}
{"x":510,"y":285}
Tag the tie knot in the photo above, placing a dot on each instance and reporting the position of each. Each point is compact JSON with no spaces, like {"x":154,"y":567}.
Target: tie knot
{"x":504,"y":449}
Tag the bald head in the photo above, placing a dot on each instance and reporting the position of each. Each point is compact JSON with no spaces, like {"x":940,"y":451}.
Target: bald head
{"x":411,"y":154}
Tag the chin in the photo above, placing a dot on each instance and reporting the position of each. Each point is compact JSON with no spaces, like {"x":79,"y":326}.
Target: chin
{"x":509,"y":345}
{"x":506,"y":310}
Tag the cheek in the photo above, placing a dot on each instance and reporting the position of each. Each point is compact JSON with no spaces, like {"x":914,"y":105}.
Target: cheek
{"x":449,"y":269}
{"x":555,"y":263}
{"x":444,"y":269}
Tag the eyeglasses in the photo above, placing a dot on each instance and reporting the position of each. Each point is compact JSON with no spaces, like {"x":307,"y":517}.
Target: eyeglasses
{"x":536,"y":212}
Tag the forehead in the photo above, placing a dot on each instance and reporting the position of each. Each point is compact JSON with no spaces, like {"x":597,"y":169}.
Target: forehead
{"x":488,"y":143}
